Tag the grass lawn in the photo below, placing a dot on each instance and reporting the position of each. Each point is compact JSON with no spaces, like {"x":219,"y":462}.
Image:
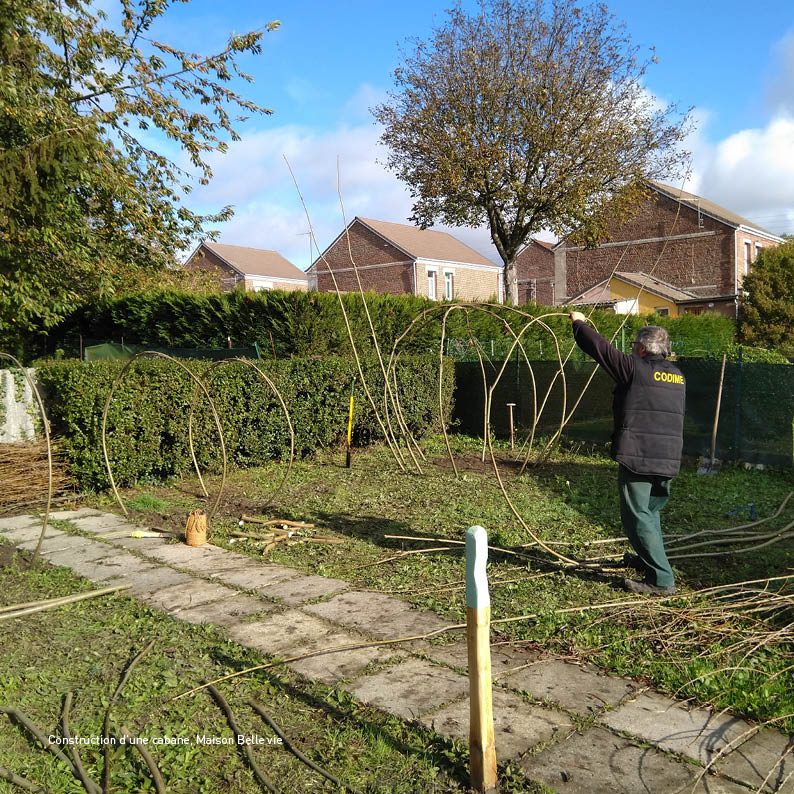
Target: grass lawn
{"x":85,"y":649}
{"x":571,"y":500}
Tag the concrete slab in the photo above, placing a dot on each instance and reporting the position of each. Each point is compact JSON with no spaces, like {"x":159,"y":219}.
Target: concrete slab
{"x":151,"y":581}
{"x":710,"y":784}
{"x":698,"y":733}
{"x":179,"y":555}
{"x":16,"y":522}
{"x":753,"y":761}
{"x":517,"y":725}
{"x":293,"y":633}
{"x":111,"y":568}
{"x":63,"y":541}
{"x":377,"y":615}
{"x":213,"y":559}
{"x":575,"y":687}
{"x":70,"y":515}
{"x":225,"y":612}
{"x":105,"y":522}
{"x":86,"y":551}
{"x":29,"y":532}
{"x":253,"y":575}
{"x":410,"y":689}
{"x":302,"y":588}
{"x":184,"y":596}
{"x":597,"y":762}
{"x":140,"y":545}
{"x":504,"y":658}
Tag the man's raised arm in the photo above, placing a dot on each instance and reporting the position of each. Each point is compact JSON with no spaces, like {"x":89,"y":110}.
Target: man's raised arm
{"x":619,"y":366}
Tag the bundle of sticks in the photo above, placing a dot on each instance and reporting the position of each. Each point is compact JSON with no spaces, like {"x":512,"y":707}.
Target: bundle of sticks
{"x":23,"y":472}
{"x":284,"y":531}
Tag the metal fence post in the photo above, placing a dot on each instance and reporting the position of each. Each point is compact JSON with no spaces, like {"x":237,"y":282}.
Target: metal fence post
{"x":737,"y":423}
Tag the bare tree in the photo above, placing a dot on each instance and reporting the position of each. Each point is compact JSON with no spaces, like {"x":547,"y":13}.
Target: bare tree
{"x":527,"y":115}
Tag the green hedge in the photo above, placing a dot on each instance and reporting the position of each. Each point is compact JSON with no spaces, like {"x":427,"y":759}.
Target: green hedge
{"x":311,"y":324}
{"x":148,"y":418}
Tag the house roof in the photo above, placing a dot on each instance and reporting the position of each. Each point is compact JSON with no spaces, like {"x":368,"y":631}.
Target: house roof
{"x":709,"y":207}
{"x":655,"y":285}
{"x":599,"y":294}
{"x":256,"y":261}
{"x":426,"y":243}
{"x":602,"y":293}
{"x":548,"y":246}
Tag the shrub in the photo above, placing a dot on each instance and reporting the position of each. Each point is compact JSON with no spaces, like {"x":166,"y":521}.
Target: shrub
{"x":148,"y":417}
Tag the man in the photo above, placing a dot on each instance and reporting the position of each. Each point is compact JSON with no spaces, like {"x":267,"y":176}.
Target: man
{"x":648,"y":408}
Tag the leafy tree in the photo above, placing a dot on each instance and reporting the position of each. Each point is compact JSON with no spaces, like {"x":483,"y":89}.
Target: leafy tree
{"x":527,"y":116}
{"x":767,"y":310}
{"x":88,"y":203}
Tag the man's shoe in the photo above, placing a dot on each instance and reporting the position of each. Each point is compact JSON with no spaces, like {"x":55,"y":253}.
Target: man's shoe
{"x":644,"y":588}
{"x":633,"y":561}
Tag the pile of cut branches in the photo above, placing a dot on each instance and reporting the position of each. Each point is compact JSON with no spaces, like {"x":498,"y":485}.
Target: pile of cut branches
{"x":23,"y":473}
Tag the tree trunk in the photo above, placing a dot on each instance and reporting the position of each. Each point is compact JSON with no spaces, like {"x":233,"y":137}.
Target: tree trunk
{"x":511,"y":282}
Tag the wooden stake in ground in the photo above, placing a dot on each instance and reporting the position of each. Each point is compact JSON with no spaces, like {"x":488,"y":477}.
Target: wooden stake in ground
{"x":196,"y":528}
{"x":478,"y":619}
{"x":510,"y":407}
{"x":350,"y":424}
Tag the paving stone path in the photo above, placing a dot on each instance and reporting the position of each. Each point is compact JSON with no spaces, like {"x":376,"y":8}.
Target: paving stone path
{"x":568,"y":725}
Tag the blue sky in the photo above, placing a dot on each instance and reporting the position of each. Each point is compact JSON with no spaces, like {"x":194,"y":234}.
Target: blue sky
{"x":327,"y":63}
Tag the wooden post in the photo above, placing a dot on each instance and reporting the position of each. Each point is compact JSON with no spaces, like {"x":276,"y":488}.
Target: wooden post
{"x":478,"y":618}
{"x":196,"y":528}
{"x":510,"y":407}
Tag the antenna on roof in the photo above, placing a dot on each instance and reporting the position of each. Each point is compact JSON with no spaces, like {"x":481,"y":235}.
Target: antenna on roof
{"x":309,"y":235}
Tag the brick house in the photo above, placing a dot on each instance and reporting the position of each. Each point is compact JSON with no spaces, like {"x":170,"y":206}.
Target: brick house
{"x":702,"y":249}
{"x":399,"y":259}
{"x":635,"y":293}
{"x":254,"y":268}
{"x":535,"y":273}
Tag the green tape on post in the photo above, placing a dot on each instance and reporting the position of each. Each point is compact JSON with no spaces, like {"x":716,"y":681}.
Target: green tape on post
{"x":477,"y":596}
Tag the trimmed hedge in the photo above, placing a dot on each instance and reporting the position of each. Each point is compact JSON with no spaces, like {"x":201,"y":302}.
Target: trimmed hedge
{"x":311,"y":324}
{"x":148,"y":417}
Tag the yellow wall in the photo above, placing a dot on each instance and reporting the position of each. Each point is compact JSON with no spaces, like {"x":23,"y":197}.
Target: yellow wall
{"x":649,"y":302}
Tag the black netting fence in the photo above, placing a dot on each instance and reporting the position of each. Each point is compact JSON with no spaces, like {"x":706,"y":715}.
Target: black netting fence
{"x":755,"y":420}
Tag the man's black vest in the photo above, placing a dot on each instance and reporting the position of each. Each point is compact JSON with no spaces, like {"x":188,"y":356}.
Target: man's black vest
{"x":649,"y":418}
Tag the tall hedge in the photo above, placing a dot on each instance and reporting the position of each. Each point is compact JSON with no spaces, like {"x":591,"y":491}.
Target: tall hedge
{"x":148,"y":417}
{"x":311,"y":324}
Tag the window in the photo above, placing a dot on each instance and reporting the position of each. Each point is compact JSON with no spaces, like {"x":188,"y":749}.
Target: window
{"x":693,"y":310}
{"x":664,"y":311}
{"x":748,"y":247}
{"x":757,"y":251}
{"x":449,"y":286}
{"x":431,"y":284}
{"x":532,"y":290}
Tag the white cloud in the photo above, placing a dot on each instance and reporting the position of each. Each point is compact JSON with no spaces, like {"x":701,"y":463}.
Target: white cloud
{"x":752,"y":173}
{"x":780,"y":91}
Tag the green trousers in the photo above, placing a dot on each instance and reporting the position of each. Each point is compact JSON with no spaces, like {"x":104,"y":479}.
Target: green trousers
{"x":642,"y":497}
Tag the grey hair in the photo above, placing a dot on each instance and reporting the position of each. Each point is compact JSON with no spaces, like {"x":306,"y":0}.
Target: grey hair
{"x":655,"y":339}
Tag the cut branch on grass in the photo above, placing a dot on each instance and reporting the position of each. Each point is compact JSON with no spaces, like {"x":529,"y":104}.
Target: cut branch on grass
{"x":20,"y":717}
{"x":148,"y":759}
{"x":17,"y":610}
{"x":260,"y":710}
{"x":20,"y":782}
{"x":107,"y":755}
{"x":89,"y":785}
{"x":263,"y":779}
